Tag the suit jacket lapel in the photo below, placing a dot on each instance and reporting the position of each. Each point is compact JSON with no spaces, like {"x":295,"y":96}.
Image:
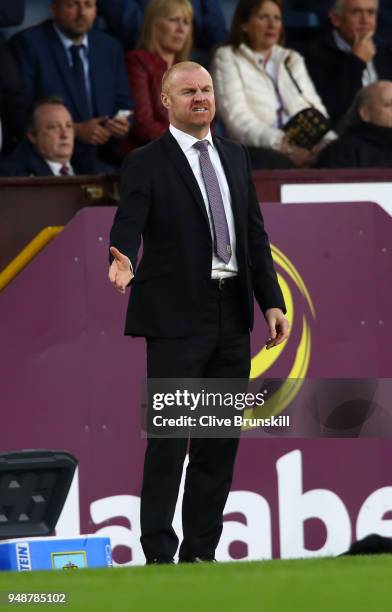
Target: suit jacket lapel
{"x":38,"y":166}
{"x":61,"y":59}
{"x":180,"y":161}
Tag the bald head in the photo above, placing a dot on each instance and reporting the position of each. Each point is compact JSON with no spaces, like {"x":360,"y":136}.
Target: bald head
{"x":374,"y":103}
{"x":188,"y":96}
{"x":177,"y":71}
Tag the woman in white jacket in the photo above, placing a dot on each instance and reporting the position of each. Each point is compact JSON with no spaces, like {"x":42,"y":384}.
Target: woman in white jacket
{"x":257,"y":83}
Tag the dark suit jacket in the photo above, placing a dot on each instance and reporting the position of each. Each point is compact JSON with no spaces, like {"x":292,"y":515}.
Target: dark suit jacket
{"x":24,"y":161}
{"x":46,"y":70}
{"x":161,"y":199}
{"x":364,"y":145}
{"x":337,"y":75}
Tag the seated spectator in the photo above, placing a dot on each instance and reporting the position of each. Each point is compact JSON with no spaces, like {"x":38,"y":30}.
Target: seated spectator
{"x":346,"y":58}
{"x":13,"y":107}
{"x":125,"y":18}
{"x":49,"y":145}
{"x":65,"y":56}
{"x":166,"y":38}
{"x":366,"y":141}
{"x":260,"y":85}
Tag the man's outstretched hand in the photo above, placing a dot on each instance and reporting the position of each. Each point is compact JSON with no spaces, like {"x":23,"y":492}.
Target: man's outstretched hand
{"x":278,"y":327}
{"x":120,"y":272}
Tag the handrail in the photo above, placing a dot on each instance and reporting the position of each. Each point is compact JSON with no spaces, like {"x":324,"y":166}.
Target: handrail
{"x":28,"y":253}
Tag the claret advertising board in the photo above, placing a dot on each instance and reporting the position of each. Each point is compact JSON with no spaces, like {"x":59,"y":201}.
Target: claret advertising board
{"x":71,"y":380}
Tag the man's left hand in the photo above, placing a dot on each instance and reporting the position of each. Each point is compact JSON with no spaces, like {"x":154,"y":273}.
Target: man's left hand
{"x":118,"y":127}
{"x":278,"y":327}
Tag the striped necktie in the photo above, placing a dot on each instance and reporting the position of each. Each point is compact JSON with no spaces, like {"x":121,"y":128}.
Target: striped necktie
{"x":65,"y":170}
{"x":222,"y":245}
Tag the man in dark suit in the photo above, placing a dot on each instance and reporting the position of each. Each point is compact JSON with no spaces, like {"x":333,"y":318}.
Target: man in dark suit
{"x":67,"y":58}
{"x":48,"y":147}
{"x":346,"y":58}
{"x":205,"y":253}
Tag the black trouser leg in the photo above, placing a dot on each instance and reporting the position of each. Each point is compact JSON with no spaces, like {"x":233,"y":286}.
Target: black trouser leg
{"x":207,"y":485}
{"x":163,"y":466}
{"x":219,"y":349}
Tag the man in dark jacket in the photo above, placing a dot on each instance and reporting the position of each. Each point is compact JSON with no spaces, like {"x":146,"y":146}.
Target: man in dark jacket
{"x":205,"y":254}
{"x":367,"y":140}
{"x":66,"y":57}
{"x":346,"y":57}
{"x":48,"y":147}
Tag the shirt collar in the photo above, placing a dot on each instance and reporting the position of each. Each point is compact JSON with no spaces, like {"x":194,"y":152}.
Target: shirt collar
{"x":68,"y":42}
{"x":340,"y":42}
{"x":258,"y":56}
{"x":186,"y":141}
{"x":56,"y":167}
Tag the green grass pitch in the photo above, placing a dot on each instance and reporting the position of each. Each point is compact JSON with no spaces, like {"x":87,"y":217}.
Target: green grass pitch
{"x":348,"y":584}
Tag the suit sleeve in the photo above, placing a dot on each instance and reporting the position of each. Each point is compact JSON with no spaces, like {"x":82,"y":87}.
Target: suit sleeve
{"x":132,"y":213}
{"x":265,"y":283}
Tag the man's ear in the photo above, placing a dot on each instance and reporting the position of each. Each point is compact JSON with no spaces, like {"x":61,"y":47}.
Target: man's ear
{"x":32,"y":137}
{"x":363,"y":112}
{"x":165,"y":99}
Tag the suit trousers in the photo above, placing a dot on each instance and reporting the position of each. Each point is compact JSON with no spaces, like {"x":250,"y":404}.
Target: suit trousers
{"x":218,"y":348}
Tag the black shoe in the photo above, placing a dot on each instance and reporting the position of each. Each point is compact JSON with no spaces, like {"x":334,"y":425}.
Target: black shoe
{"x":198,"y":560}
{"x":160,"y":561}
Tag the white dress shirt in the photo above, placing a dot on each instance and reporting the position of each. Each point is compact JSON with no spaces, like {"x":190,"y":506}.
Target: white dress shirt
{"x":56,"y":167}
{"x":369,"y":74}
{"x":218,"y":267}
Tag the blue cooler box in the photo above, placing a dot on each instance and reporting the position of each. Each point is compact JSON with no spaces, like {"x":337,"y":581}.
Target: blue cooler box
{"x":28,"y":554}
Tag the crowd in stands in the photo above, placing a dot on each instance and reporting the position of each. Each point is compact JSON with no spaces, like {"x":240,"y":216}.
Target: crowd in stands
{"x":83,"y":88}
{"x":277,"y":85}
{"x":366,"y":139}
